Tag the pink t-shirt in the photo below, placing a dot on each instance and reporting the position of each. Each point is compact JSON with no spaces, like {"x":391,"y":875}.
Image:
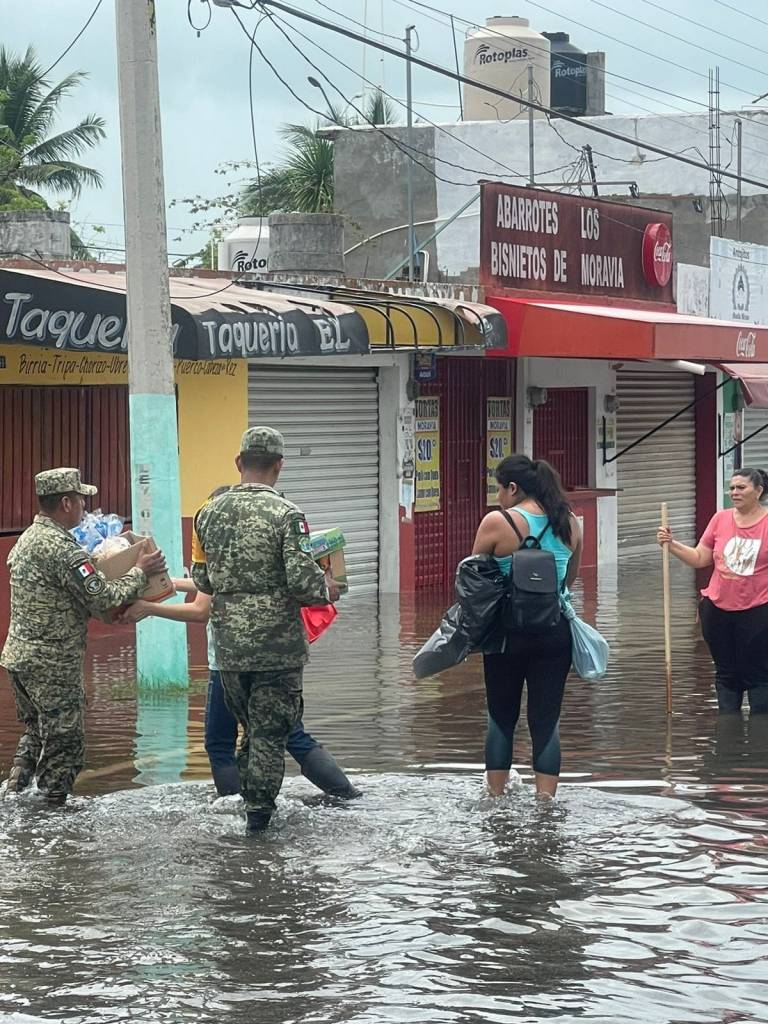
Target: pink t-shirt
{"x":740,"y":577}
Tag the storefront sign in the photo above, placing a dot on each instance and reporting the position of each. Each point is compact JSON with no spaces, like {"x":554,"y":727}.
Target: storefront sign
{"x":498,"y":442}
{"x":548,"y":242}
{"x":425,"y":367}
{"x":19,"y":365}
{"x":738,"y":281}
{"x":427,"y":438}
{"x":73,"y":317}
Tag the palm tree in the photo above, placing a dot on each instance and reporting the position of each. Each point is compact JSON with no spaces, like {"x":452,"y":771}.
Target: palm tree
{"x":33,"y":158}
{"x":303,"y":181}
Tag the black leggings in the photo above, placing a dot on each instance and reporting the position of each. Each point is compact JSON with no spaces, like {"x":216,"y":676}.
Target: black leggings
{"x":738,"y":643}
{"x":543,"y":662}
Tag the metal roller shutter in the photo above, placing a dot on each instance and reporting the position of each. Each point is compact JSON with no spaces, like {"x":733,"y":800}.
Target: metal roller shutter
{"x":663,"y":467}
{"x":755,"y":451}
{"x":330,"y":419}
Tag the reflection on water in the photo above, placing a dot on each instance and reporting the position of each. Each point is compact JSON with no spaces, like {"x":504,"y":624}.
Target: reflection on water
{"x":640,"y":895}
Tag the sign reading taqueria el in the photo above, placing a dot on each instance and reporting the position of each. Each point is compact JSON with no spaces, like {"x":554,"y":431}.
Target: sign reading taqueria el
{"x":539,"y":240}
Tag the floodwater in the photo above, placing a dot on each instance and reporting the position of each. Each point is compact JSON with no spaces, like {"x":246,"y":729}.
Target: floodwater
{"x":639,"y":895}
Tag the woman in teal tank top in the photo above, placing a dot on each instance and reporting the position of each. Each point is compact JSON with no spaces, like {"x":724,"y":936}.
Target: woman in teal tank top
{"x":532,"y":494}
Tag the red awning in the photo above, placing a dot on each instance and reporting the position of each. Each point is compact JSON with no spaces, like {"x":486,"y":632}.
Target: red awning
{"x":753,"y":378}
{"x":561,"y":330}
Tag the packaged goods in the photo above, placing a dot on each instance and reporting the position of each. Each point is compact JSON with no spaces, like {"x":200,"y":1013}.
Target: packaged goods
{"x":117,"y":564}
{"x":96,"y":527}
{"x":110,"y":546}
{"x":327,"y":547}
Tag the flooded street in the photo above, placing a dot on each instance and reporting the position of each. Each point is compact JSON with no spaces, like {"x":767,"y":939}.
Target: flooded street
{"x":640,"y":895}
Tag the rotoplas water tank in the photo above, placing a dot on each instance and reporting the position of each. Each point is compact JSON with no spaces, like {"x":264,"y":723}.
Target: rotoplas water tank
{"x":499,"y":55}
{"x":246,"y":247}
{"x":568,"y":84}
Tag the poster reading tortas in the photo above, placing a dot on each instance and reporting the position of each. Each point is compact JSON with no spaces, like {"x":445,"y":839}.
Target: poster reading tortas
{"x":427,"y":438}
{"x":499,"y":442}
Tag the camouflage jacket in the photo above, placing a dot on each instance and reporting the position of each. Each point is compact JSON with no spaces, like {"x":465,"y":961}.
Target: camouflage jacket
{"x":54,"y":591}
{"x":258,"y":569}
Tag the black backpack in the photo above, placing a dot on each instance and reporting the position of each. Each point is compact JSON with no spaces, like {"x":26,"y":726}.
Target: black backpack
{"x":532,"y":603}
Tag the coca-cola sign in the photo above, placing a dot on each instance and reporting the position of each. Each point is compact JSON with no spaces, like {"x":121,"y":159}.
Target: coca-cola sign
{"x":657,"y":255}
{"x":540,"y":241}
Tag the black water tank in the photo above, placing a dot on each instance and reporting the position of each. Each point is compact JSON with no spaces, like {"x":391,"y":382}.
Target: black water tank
{"x":568,"y":75}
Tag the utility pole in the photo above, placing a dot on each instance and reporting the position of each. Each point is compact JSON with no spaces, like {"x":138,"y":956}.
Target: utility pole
{"x":161,"y":650}
{"x":409,"y":169}
{"x":738,"y":183}
{"x":591,"y":166}
{"x":531,"y":165}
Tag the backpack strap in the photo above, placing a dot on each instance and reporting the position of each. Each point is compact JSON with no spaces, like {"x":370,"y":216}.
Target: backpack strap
{"x":513,"y":524}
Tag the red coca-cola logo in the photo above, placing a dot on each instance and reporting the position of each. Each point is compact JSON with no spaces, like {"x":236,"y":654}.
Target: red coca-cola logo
{"x":657,"y":254}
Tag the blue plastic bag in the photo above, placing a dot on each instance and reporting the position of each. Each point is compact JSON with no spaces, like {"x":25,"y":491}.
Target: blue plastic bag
{"x":590,"y":648}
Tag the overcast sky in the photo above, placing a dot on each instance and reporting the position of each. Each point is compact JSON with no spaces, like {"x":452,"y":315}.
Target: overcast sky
{"x":204,"y":81}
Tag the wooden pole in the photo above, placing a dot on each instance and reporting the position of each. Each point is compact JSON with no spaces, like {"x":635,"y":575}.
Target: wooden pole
{"x":667,"y":608}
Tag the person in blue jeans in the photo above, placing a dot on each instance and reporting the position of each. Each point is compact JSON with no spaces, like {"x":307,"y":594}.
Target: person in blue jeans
{"x":316,"y":763}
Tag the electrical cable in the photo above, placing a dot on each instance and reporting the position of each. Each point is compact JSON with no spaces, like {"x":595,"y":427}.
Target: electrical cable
{"x":199,"y":28}
{"x":744,"y":14}
{"x":707,"y":28}
{"x":590,"y":126}
{"x":93,"y":14}
{"x":679,"y":39}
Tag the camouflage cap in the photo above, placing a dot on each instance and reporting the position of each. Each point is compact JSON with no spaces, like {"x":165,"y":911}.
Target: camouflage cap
{"x":263,"y":441}
{"x":62,"y":481}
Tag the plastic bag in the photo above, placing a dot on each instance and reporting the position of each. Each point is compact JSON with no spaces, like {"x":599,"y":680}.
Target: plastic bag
{"x":317,"y":619}
{"x":590,"y":648}
{"x":480,"y":589}
{"x":448,"y":646}
{"x":110,"y":546}
{"x":96,"y":527}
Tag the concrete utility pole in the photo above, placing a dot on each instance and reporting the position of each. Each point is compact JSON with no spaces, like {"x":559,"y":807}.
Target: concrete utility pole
{"x":409,"y":168}
{"x":531,"y":151}
{"x":161,"y":649}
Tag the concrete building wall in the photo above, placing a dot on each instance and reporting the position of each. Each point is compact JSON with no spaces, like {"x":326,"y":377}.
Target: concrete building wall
{"x":371,"y":191}
{"x":40,"y":233}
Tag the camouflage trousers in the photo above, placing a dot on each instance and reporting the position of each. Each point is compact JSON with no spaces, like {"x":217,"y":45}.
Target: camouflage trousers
{"x":50,"y":704}
{"x":267,"y":705}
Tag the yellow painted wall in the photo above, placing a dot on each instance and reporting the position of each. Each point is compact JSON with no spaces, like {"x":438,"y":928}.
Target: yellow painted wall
{"x":213,"y":405}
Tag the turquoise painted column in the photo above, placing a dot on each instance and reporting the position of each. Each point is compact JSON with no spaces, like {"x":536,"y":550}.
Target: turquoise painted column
{"x":161,"y":646}
{"x":161,"y":654}
{"x":161,"y":737}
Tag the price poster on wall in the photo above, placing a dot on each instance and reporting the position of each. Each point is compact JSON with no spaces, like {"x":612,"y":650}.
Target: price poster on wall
{"x":499,"y":441}
{"x":427,"y":444}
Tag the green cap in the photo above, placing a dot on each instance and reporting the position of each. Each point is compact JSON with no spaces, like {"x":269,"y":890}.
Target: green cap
{"x":262,"y":441}
{"x":62,"y":481}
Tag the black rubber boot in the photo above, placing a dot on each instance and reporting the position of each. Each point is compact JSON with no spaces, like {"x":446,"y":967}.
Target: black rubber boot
{"x":322,"y":771}
{"x":258,"y":821}
{"x":226,"y":780}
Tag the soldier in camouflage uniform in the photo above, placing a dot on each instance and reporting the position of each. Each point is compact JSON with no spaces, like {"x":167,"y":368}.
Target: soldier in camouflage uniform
{"x":259,"y":570}
{"x":54,"y":591}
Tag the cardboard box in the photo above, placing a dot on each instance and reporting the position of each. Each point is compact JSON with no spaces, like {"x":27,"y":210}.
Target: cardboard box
{"x":328,"y":551}
{"x":117,"y":565}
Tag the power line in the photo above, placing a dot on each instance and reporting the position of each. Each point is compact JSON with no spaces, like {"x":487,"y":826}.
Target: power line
{"x":679,"y":39}
{"x":409,"y":5}
{"x":64,"y":54}
{"x":707,"y":28}
{"x":441,"y":128}
{"x":589,"y":126}
{"x":744,"y":14}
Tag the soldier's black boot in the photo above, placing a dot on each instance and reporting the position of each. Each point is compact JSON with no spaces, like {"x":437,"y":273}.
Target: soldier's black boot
{"x":258,"y":821}
{"x":18,"y":779}
{"x":226,"y":779}
{"x":322,"y":771}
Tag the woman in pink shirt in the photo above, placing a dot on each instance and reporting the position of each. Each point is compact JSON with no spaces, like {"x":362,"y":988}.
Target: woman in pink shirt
{"x":734,"y":607}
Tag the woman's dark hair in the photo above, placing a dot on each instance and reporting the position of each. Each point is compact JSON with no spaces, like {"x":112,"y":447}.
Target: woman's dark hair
{"x":542,"y":482}
{"x":757,"y":477}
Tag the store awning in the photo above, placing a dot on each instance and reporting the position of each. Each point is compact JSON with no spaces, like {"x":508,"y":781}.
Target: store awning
{"x":562,"y":330}
{"x":753,"y":378}
{"x":398,"y":319}
{"x":85,"y":310}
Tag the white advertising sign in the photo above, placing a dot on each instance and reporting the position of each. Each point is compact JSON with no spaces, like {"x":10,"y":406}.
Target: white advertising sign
{"x":692,"y":290}
{"x":738,"y":282}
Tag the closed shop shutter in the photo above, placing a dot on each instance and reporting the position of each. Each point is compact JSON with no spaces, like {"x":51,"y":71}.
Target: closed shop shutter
{"x":663,"y":467}
{"x":754,"y":452}
{"x":330,"y":419}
